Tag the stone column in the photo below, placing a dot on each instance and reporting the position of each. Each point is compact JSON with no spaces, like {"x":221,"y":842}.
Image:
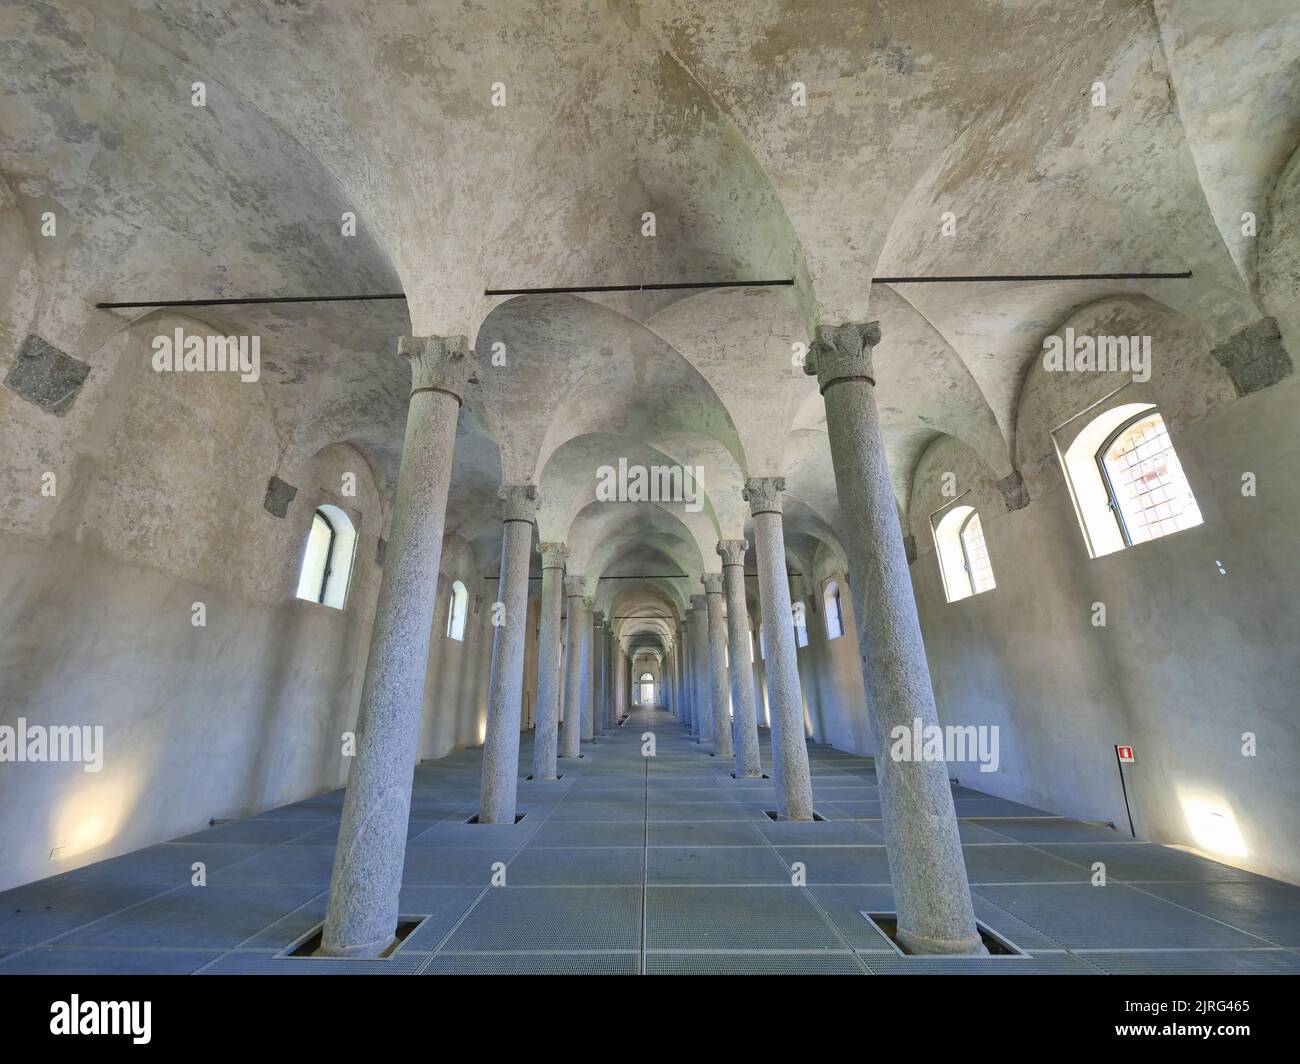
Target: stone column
{"x":362,"y":915}
{"x":571,"y":737}
{"x":717,"y":630}
{"x":688,"y":676}
{"x":500,"y":777}
{"x":600,"y":708}
{"x":749,"y":763}
{"x":620,"y":669}
{"x":931,"y":892}
{"x":546,"y":732}
{"x":588,"y":707}
{"x":789,"y":749}
{"x":698,"y":625}
{"x":684,"y":712}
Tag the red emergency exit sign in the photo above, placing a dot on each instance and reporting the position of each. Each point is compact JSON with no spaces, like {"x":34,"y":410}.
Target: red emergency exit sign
{"x":1125,"y":754}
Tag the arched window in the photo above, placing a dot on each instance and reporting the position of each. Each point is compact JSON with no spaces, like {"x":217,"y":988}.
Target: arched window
{"x":1149,"y":494}
{"x":834,"y":611}
{"x":1126,"y":480}
{"x":327,"y":560}
{"x":647,"y":683}
{"x":963,"y":555}
{"x":456,"y":611}
{"x":799,"y":616}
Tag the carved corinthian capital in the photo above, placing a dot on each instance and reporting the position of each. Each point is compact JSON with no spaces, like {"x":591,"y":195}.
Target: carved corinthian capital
{"x":764,"y":494}
{"x":842,"y":352}
{"x":575,"y":586}
{"x":712,"y":583}
{"x":519,"y":502}
{"x":554,"y":555}
{"x":439,"y":363}
{"x":733,"y":551}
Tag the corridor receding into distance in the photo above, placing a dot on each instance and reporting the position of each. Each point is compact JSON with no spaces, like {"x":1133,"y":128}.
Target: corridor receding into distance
{"x":649,"y":487}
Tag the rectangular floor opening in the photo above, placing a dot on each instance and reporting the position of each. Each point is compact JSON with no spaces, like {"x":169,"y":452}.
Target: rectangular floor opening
{"x":764,"y":776}
{"x":772,"y":814}
{"x":996,"y":944}
{"x":558,"y":776}
{"x":474,"y":818}
{"x":308,"y":946}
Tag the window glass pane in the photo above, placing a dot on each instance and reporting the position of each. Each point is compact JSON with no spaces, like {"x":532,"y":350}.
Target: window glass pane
{"x":314,"y":560}
{"x":978,"y":565}
{"x":1152,"y":493}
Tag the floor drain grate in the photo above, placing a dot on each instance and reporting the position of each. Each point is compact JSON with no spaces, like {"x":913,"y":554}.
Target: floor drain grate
{"x":764,"y":776}
{"x":996,"y":944}
{"x":558,"y":776}
{"x":772,"y":814}
{"x":474,"y":818}
{"x":310,"y":943}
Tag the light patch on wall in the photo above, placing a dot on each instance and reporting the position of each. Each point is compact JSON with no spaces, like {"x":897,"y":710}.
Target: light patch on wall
{"x":91,"y":818}
{"x":1213,"y":826}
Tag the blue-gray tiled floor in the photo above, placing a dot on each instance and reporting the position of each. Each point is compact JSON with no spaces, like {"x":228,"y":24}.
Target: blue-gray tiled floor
{"x":657,"y":865}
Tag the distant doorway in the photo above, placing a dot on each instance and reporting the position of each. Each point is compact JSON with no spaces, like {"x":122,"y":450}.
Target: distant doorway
{"x":647,"y":683}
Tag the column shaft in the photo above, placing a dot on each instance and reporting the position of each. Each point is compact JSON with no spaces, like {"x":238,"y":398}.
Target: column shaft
{"x":571,"y":737}
{"x":588,"y":725}
{"x":500,"y":776}
{"x":699,"y":633}
{"x":789,"y":747}
{"x":362,"y":914}
{"x":546,"y":731}
{"x":719,"y":686}
{"x":931,"y":891}
{"x":749,"y":764}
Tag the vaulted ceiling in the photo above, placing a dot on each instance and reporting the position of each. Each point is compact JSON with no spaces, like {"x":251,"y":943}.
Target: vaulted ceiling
{"x":614,"y":108}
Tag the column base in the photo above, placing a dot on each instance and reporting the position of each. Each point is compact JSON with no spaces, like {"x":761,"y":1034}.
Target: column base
{"x":367,"y":950}
{"x":921,"y":944}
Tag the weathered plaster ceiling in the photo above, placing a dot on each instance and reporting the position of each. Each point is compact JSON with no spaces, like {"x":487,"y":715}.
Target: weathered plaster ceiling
{"x":614,"y":108}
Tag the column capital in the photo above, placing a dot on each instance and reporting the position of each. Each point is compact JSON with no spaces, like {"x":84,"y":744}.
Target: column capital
{"x":699,"y":602}
{"x":439,"y":364}
{"x":575,"y":586}
{"x":841,"y":352}
{"x":764,"y":495}
{"x":519,"y":502}
{"x":733,"y":551}
{"x":712,"y":583}
{"x":587,"y":603}
{"x":554,"y":555}
{"x":598,"y":618}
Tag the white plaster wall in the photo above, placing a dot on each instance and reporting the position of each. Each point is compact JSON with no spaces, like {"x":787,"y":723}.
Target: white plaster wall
{"x":1189,"y":660}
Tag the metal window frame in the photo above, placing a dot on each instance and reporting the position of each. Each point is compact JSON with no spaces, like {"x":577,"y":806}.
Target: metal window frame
{"x":965,"y":554}
{"x":329,"y":554}
{"x":1112,"y":496}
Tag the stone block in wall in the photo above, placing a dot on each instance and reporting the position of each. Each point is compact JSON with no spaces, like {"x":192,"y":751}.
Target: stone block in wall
{"x":909,"y":545}
{"x":381,"y":551}
{"x":278,"y":497}
{"x":44,"y":375}
{"x":1254,"y":357}
{"x":1014,"y":492}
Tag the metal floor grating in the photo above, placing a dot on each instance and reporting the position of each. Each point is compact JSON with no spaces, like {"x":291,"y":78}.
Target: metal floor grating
{"x":738,"y":962}
{"x":1037,"y":963}
{"x":552,"y":918}
{"x":663,"y":865}
{"x":518,"y":962}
